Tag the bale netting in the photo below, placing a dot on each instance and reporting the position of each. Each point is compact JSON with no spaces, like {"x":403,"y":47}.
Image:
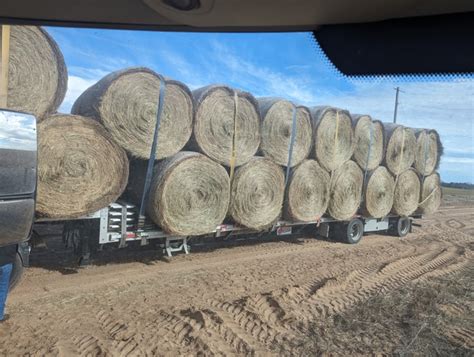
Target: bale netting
{"x":407,"y":193}
{"x":257,"y":193}
{"x":307,"y":193}
{"x":400,"y":147}
{"x":189,"y":193}
{"x":126,"y":103}
{"x":37,"y":74}
{"x":80,"y":168}
{"x":277,"y":125}
{"x":378,"y":193}
{"x":345,"y":191}
{"x":214,"y":134}
{"x":368,"y":142}
{"x":333,"y":136}
{"x":428,"y":151}
{"x":431,"y":194}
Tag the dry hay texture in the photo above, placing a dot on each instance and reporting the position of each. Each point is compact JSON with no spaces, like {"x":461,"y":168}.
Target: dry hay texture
{"x":431,"y":194}
{"x":365,"y":141}
{"x":378,"y":193}
{"x":189,"y":193}
{"x":428,"y":151}
{"x":80,"y":168}
{"x":214,"y":124}
{"x":126,"y":103}
{"x":37,"y":74}
{"x":277,"y":123}
{"x":407,"y":193}
{"x":346,"y":190}
{"x":307,"y":193}
{"x":400,"y":147}
{"x":257,"y":193}
{"x":333,"y":136}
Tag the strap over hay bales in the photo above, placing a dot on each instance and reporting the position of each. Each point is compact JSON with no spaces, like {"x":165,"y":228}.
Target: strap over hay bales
{"x":368,"y":142}
{"x":378,"y":193}
{"x":257,"y":193}
{"x":189,"y":193}
{"x":333,"y":136}
{"x":407,"y":193}
{"x":399,"y":149}
{"x":80,"y":168}
{"x":126,"y":103}
{"x":277,"y":123}
{"x":214,"y":125}
{"x":428,"y":151}
{"x":37,"y":79}
{"x":307,"y":193}
{"x":345,"y":191}
{"x":431,"y":194}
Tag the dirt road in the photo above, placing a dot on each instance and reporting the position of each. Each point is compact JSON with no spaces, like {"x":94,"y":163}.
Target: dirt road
{"x":245,"y":299}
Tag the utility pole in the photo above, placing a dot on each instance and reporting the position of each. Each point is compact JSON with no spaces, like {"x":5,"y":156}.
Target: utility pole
{"x":396,"y":104}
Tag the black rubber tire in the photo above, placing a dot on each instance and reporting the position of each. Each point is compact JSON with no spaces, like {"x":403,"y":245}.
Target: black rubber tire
{"x":351,"y":232}
{"x":17,"y":272}
{"x":403,"y":226}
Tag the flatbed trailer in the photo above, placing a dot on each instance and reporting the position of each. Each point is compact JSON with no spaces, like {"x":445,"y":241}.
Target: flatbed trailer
{"x":118,"y":225}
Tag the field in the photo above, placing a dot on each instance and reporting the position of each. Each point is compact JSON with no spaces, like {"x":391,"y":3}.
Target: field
{"x":295,"y":296}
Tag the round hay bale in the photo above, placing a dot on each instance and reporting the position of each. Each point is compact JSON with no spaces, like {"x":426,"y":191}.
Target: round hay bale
{"x":407,"y":193}
{"x":346,"y":190}
{"x":333,"y":136}
{"x":257,"y":193}
{"x":431,"y":194}
{"x":428,"y":151}
{"x":307,"y":193}
{"x":214,"y":124}
{"x":400,"y":148}
{"x":126,"y":103}
{"x":378,"y":193}
{"x":37,"y":74}
{"x":277,"y":123}
{"x":364,"y":140}
{"x":189,"y":193}
{"x":80,"y":168}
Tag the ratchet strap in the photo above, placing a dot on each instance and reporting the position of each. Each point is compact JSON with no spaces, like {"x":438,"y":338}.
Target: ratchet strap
{"x":233,"y":153}
{"x":291,"y":145}
{"x":364,"y":182}
{"x":401,"y":158}
{"x":336,"y":136}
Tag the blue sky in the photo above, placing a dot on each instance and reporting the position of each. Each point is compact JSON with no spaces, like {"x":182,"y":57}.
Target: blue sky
{"x":286,"y":65}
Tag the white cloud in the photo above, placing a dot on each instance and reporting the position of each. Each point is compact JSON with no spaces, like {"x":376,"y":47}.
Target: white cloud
{"x":75,"y":87}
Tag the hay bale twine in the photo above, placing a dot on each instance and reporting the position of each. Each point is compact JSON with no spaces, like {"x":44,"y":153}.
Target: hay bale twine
{"x":364,"y":140}
{"x":257,"y":193}
{"x":431,"y":194}
{"x":214,"y":124}
{"x":307,"y":193}
{"x":80,"y":168}
{"x":37,"y":74}
{"x":345,"y":191}
{"x":126,"y":103}
{"x":407,"y":193}
{"x":189,"y":193}
{"x":277,"y":123}
{"x":428,"y":151}
{"x":333,"y":136}
{"x":400,"y":147}
{"x":378,"y":193}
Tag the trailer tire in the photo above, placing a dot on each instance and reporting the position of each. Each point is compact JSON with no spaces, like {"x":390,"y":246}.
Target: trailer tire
{"x":17,"y":272}
{"x":351,"y":232}
{"x":402,"y":227}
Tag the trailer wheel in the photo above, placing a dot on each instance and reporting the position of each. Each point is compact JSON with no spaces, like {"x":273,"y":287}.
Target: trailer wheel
{"x":403,"y":226}
{"x":17,"y":272}
{"x":351,"y":232}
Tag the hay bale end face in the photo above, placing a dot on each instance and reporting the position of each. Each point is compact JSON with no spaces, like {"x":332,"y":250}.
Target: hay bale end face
{"x":80,"y":168}
{"x":368,"y":136}
{"x":214,"y":124}
{"x":428,"y":151}
{"x":126,"y":103}
{"x":407,"y":193}
{"x":333,"y":136}
{"x":307,"y":193}
{"x":277,"y":123}
{"x":378,"y":193}
{"x":257,"y":193}
{"x":431,"y":194}
{"x":37,"y":74}
{"x":346,"y":190}
{"x":400,"y":148}
{"x":189,"y":193}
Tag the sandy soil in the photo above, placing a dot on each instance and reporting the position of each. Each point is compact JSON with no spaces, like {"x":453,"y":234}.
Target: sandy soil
{"x":261,"y":297}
